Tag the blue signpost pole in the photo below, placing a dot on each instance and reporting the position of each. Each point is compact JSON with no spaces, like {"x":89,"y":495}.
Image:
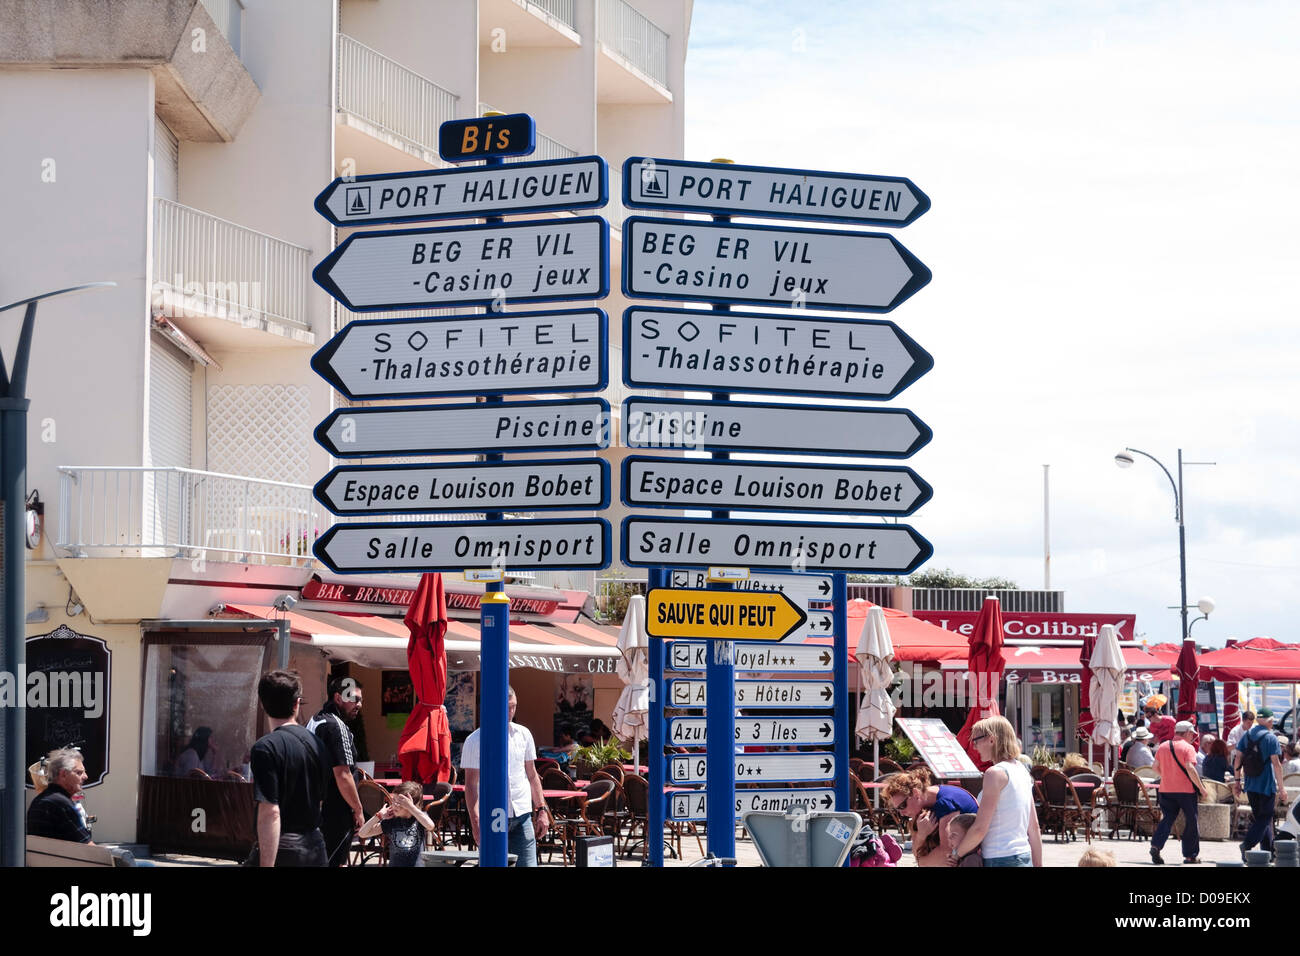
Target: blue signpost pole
{"x":494,"y":677}
{"x":656,"y":809}
{"x":840,"y":648}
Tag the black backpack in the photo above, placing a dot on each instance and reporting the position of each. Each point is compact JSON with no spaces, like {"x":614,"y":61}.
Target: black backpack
{"x":1252,"y":761}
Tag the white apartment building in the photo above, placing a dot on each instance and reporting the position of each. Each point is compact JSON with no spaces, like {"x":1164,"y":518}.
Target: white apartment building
{"x":175,"y":147}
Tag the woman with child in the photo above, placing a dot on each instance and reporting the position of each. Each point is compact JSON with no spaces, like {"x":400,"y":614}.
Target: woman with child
{"x":929,"y":808}
{"x":1005,"y":830}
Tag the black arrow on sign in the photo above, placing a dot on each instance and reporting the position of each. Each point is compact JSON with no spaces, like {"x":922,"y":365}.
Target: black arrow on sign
{"x":825,"y":587}
{"x":826,"y":801}
{"x":827,"y":730}
{"x":825,"y":658}
{"x":826,"y":765}
{"x":826,"y":625}
{"x":826,"y":693}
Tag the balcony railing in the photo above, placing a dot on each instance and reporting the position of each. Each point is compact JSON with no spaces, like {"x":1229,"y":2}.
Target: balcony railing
{"x":972,"y":599}
{"x":563,"y":10}
{"x":386,"y":94}
{"x":229,"y":18}
{"x":629,"y":34}
{"x":222,"y":268}
{"x":170,"y":512}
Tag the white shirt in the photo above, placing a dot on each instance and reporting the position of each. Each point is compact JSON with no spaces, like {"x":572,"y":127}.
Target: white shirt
{"x":522,"y":749}
{"x":1008,"y":833}
{"x":1234,"y":736}
{"x":1140,"y":755}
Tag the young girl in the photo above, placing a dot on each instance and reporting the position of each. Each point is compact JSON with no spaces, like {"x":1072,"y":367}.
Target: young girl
{"x":401,"y":823}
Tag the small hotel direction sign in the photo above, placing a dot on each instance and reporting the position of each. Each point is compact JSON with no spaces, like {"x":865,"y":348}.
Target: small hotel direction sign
{"x":729,"y":189}
{"x":694,"y":804}
{"x":558,"y":544}
{"x":580,"y":484}
{"x":658,"y":482}
{"x":499,"y":354}
{"x":767,"y":265}
{"x":791,"y":731}
{"x":758,"y":767}
{"x":564,"y":425}
{"x":694,"y":655}
{"x":475,"y":191}
{"x":723,"y":615}
{"x":537,"y":261}
{"x":803,"y":589}
{"x":800,"y":694}
{"x":769,"y":354}
{"x":677,"y":424}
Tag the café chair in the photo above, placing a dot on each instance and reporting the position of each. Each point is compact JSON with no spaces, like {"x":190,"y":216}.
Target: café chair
{"x":1132,"y":807}
{"x":374,"y":797}
{"x":889,"y":766}
{"x":437,"y":811}
{"x":1064,"y":812}
{"x":637,"y":793}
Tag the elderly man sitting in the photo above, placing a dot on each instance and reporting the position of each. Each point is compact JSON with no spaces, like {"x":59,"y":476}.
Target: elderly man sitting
{"x":53,"y":813}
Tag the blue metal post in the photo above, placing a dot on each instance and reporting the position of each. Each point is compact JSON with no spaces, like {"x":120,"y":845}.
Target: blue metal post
{"x":658,"y":771}
{"x":840,"y":616}
{"x":720,"y":731}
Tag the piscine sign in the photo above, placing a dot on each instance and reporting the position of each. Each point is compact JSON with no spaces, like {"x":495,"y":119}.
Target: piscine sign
{"x":565,"y":485}
{"x":694,"y":804}
{"x":800,"y":694}
{"x":563,"y":425}
{"x":498,"y":354}
{"x":535,"y":261}
{"x":764,"y":426}
{"x":730,"y":615}
{"x":376,"y":547}
{"x":658,"y":482}
{"x":730,"y":189}
{"x":578,"y":183}
{"x":757,"y":767}
{"x":819,"y":546}
{"x":767,"y":265}
{"x":769,"y":354}
{"x":791,"y":731}
{"x":694,"y":655}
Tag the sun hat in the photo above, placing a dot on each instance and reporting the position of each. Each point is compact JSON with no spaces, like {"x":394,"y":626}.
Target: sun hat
{"x":1141,"y":734}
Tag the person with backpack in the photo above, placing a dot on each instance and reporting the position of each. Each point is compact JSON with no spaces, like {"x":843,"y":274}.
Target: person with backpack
{"x":1257,"y":769}
{"x":1180,"y":791}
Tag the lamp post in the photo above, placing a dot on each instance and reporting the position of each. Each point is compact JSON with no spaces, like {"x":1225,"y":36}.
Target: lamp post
{"x":13,"y":491}
{"x":1205,"y":605}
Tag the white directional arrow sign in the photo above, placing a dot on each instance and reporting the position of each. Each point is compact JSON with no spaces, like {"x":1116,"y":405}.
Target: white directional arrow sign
{"x":694,"y":804}
{"x":566,"y":425}
{"x":784,"y":429}
{"x":792,"y":731}
{"x":757,"y":767}
{"x":726,"y":188}
{"x":581,"y":182}
{"x":767,"y":265}
{"x":747,"y":656}
{"x":516,"y":352}
{"x":544,"y":261}
{"x":800,"y":694}
{"x":776,"y":354}
{"x":658,"y":482}
{"x":803,"y":589}
{"x":579,"y":543}
{"x":568,"y":485}
{"x":819,"y":546}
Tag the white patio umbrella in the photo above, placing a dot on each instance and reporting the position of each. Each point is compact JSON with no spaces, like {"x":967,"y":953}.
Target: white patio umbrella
{"x":631,"y":713}
{"x":875,"y":653}
{"x":1107,"y":666}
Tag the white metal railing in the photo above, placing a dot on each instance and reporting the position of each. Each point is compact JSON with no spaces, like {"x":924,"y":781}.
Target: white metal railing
{"x":563,"y":10}
{"x":632,"y":36}
{"x":222,"y":267}
{"x":614,"y":210}
{"x":180,"y":511}
{"x":229,"y":18}
{"x":396,"y":99}
{"x":548,"y":148}
{"x":972,"y":599}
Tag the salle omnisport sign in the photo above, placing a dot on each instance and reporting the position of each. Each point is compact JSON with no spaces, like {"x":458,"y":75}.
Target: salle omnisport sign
{"x":1043,"y":626}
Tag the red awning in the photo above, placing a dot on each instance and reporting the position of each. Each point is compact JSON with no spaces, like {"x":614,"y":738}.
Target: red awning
{"x":913,"y":639}
{"x":1060,"y":665}
{"x":1259,"y":659}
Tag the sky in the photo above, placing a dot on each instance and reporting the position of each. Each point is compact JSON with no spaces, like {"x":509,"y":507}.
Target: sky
{"x":1114,"y":247}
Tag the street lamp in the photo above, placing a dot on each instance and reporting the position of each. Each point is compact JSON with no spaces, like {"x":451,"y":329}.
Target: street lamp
{"x":1205,"y":605}
{"x":1125,"y":459}
{"x":13,"y":491}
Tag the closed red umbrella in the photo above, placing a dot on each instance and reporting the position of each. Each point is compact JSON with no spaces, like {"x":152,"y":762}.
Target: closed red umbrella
{"x":1086,"y":721}
{"x":424,"y":748}
{"x":985,"y":666}
{"x":1189,"y":676}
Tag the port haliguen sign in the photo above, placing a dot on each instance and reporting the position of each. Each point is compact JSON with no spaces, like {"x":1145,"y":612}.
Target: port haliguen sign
{"x":729,"y":189}
{"x":769,"y":354}
{"x":474,"y":191}
{"x":580,"y":484}
{"x":674,"y":423}
{"x":559,"y":544}
{"x":536,"y":261}
{"x":819,"y":546}
{"x":496,"y":354}
{"x":767,"y":265}
{"x":466,"y":429}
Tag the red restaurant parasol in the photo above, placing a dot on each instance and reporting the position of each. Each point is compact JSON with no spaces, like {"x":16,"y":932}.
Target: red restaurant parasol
{"x":424,"y":748}
{"x":1086,"y":721}
{"x":985,"y":667}
{"x":1189,"y":676}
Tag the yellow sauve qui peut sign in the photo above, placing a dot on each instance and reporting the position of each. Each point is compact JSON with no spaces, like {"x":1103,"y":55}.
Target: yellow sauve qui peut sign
{"x":722,"y":615}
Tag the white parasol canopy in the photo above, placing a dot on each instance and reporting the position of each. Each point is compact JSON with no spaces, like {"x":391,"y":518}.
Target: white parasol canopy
{"x":631,"y":713}
{"x":875,"y":652}
{"x":1107,"y":666}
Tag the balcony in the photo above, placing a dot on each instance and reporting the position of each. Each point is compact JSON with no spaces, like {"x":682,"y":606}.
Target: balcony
{"x":226,"y":285}
{"x":528,"y":24}
{"x":634,"y":64}
{"x":397,"y":110}
{"x":180,"y":512}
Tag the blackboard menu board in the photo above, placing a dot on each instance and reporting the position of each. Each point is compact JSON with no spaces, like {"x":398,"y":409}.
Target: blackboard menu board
{"x":67,"y":695}
{"x":397,"y":693}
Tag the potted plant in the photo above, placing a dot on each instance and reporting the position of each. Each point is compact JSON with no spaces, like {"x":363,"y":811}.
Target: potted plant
{"x":587,"y":760}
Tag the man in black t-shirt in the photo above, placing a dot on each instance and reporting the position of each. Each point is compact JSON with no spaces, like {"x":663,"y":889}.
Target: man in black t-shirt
{"x":290,"y":773}
{"x":342,"y":814}
{"x":53,"y":813}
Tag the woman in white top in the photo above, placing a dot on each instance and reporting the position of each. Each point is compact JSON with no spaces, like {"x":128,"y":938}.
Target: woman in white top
{"x":1005,"y":830}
